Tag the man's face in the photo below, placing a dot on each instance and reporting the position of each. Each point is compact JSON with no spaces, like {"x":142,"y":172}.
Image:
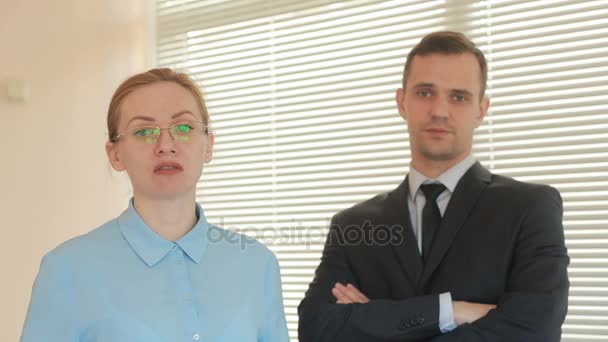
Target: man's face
{"x":442,"y":106}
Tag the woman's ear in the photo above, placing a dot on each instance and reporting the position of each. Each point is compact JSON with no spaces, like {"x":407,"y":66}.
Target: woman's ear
{"x":209,"y":151}
{"x":114,"y":156}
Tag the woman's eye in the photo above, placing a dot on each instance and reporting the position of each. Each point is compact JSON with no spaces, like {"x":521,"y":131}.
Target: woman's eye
{"x":184,"y":128}
{"x":144,"y":132}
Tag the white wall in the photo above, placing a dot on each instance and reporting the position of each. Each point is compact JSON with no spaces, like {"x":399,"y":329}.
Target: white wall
{"x":55,"y":181}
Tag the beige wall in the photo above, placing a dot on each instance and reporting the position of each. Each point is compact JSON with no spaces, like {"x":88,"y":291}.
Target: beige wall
{"x":55,"y":182}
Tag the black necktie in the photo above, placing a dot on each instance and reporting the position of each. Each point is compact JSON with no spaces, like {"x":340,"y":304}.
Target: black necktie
{"x":431,"y":217}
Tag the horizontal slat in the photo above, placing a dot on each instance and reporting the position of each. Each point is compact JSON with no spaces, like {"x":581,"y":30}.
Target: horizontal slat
{"x":301,"y":96}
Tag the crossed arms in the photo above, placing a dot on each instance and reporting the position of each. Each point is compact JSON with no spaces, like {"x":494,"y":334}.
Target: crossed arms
{"x":532,"y":308}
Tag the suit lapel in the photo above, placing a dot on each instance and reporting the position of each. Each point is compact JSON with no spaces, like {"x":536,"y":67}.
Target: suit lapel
{"x":462,"y":202}
{"x":397,"y":215}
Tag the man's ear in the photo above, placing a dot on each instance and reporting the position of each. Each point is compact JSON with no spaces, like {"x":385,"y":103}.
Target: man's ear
{"x":484,"y":105}
{"x":209,"y":152}
{"x":114,"y":156}
{"x":400,"y":99}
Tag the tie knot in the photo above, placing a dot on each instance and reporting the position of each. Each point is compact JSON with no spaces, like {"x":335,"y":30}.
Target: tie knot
{"x":432,"y":191}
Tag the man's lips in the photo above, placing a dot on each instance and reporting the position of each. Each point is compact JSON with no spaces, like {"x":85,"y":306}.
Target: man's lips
{"x":436,"y":130}
{"x":168,"y":167}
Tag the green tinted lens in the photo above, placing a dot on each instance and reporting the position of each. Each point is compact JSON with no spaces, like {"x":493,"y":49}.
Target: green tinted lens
{"x":149,"y":135}
{"x":184,"y":128}
{"x":181,"y":132}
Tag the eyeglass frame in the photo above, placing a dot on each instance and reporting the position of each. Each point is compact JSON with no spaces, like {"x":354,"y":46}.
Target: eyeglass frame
{"x":206,"y":129}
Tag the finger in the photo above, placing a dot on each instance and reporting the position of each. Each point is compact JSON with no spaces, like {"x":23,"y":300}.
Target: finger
{"x":350,"y":293}
{"x":341,"y":292}
{"x":353,"y":293}
{"x":340,"y":296}
{"x":342,"y":299}
{"x":360,"y":296}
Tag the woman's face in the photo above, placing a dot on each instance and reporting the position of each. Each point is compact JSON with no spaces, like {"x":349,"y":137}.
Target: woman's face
{"x":170,"y":167}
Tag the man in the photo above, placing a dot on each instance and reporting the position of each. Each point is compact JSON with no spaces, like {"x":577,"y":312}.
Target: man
{"x":457,"y":253}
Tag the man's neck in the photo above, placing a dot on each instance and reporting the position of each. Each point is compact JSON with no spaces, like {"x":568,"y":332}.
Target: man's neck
{"x":169,"y":218}
{"x":435,"y":168}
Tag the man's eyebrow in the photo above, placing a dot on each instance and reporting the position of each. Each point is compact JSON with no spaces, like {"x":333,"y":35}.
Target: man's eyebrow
{"x":452,"y":91}
{"x":424,"y":85}
{"x":461,"y":92}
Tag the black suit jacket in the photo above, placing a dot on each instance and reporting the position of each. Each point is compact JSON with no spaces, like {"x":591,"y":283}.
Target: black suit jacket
{"x":500,"y":242}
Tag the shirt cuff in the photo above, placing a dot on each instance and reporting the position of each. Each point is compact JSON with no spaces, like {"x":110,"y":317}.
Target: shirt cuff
{"x":446,"y":313}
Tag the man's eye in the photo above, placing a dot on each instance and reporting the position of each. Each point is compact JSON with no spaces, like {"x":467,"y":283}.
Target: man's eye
{"x":424,"y":93}
{"x":459,"y":98}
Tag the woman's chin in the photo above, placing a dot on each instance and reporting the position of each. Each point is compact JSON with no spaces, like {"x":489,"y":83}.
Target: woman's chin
{"x":167,"y":193}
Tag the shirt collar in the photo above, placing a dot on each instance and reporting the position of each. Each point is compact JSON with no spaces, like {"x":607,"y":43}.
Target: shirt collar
{"x":151,"y":247}
{"x":449,"y":178}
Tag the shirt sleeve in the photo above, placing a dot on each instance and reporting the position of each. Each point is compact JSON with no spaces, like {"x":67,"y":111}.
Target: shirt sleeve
{"x":446,"y":313}
{"x":50,"y":316}
{"x":275,"y":325}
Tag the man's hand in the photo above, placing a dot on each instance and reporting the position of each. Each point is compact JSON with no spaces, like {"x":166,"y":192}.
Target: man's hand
{"x":348,"y":294}
{"x":465,"y":312}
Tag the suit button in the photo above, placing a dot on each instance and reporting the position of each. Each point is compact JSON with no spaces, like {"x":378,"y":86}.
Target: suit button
{"x":420,"y":320}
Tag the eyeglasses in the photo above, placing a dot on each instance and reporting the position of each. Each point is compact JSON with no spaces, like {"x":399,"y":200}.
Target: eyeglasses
{"x":182,"y":131}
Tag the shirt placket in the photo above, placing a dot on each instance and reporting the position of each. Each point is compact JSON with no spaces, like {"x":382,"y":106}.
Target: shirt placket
{"x":186,"y":296}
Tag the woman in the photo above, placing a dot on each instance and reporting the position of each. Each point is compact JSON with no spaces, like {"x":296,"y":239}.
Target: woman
{"x":159,"y":271}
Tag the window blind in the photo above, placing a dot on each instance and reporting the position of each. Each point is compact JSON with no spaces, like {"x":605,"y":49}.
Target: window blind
{"x":549,"y":124}
{"x":301,"y":98}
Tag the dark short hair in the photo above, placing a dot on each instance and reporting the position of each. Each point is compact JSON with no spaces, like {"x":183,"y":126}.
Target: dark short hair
{"x":448,"y":43}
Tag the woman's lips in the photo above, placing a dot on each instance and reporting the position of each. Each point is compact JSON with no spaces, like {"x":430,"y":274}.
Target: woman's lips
{"x":168,"y":168}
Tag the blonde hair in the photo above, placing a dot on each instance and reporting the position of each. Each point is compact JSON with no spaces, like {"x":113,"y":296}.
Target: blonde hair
{"x":146,"y":78}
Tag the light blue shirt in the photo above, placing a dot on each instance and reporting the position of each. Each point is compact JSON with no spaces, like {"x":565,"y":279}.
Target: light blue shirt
{"x":415,"y":203}
{"x":122,"y":282}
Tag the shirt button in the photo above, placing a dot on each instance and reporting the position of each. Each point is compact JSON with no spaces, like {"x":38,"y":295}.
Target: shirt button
{"x":174,"y":247}
{"x":195,"y":337}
